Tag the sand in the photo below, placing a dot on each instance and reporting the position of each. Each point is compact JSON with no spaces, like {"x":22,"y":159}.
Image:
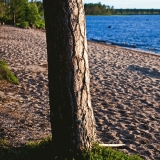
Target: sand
{"x":125,"y":90}
{"x":24,"y":111}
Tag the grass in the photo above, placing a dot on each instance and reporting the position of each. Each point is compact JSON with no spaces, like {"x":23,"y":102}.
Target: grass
{"x":44,"y":150}
{"x":6,"y":74}
{"x":103,"y":153}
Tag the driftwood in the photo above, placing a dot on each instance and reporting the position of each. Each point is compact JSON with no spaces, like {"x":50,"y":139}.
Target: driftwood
{"x":113,"y":145}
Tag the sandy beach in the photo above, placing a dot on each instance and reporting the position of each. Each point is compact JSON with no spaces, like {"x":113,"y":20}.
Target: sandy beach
{"x":125,"y":90}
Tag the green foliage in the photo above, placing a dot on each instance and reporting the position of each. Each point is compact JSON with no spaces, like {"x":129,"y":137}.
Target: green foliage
{"x":98,"y":9}
{"x":18,"y":12}
{"x":7,"y":19}
{"x":6,"y":74}
{"x":3,"y":143}
{"x":4,"y":12}
{"x":24,"y":25}
{"x":45,"y":150}
{"x":31,"y":151}
{"x":18,"y":24}
{"x":40,"y":8}
{"x":102,"y":153}
{"x":136,"y":11}
{"x":33,"y":14}
{"x":39,"y":24}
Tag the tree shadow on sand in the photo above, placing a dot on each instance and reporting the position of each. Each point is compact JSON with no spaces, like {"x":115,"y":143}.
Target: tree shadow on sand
{"x":147,"y":71}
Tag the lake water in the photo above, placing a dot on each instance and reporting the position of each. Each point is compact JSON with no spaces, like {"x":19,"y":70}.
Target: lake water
{"x":140,"y":32}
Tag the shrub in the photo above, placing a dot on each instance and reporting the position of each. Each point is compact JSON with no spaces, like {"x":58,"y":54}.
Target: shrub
{"x":39,"y":24}
{"x":103,"y":153}
{"x":24,"y":25}
{"x":6,"y":74}
{"x":18,"y":24}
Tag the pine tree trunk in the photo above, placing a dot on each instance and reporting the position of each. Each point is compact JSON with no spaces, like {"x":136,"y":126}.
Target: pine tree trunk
{"x":72,"y":118}
{"x":14,"y":18}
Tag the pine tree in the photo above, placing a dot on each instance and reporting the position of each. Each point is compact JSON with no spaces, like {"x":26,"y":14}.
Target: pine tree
{"x":72,"y":119}
{"x":18,"y":10}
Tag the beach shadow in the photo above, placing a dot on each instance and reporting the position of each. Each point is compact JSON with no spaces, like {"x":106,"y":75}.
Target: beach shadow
{"x":147,"y":71}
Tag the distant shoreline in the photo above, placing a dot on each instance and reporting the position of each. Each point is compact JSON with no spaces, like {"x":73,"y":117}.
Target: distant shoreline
{"x":98,"y":8}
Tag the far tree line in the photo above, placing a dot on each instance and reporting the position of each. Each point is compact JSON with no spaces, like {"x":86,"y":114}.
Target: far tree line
{"x":25,"y":13}
{"x":101,"y":9}
{"x":22,"y":13}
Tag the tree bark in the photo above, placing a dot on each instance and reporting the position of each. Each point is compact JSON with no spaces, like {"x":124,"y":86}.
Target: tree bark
{"x":14,"y":18}
{"x":72,"y":118}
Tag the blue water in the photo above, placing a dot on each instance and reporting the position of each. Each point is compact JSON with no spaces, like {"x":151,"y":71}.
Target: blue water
{"x":140,"y":32}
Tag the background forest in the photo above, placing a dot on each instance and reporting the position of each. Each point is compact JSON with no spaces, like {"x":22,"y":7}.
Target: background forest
{"x":100,"y":9}
{"x":22,"y":13}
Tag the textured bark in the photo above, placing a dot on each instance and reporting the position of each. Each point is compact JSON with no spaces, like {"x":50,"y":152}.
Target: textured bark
{"x":72,"y":119}
{"x":14,"y":18}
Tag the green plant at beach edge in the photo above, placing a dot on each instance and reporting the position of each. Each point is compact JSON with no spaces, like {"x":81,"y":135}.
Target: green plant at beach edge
{"x":45,"y":150}
{"x":6,"y":74}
